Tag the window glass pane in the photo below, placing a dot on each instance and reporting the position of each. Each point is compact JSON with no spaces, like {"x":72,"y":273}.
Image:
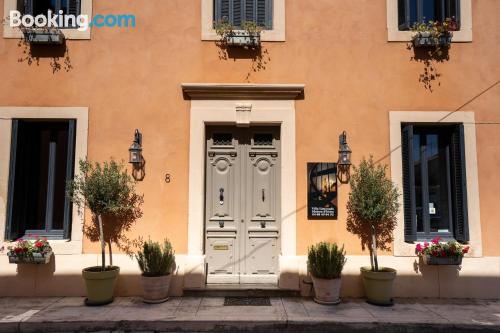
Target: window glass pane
{"x":65,"y":6}
{"x":418,"y":182}
{"x":42,"y":6}
{"x":429,"y":10}
{"x":61,"y":139}
{"x":437,"y":174}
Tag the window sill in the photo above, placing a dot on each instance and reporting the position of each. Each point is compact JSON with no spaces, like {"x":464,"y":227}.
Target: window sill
{"x":265,"y":35}
{"x":462,"y":36}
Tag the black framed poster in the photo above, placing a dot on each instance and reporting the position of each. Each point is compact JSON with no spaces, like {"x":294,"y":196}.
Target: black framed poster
{"x":322,"y":190}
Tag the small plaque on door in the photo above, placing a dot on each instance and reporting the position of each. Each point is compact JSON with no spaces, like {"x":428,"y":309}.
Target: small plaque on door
{"x":221,"y":247}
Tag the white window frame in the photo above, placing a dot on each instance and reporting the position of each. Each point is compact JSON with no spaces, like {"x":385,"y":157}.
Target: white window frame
{"x":394,"y":35}
{"x":73,"y":245}
{"x":277,"y":34}
{"x":9,"y":32}
{"x":396,"y":118}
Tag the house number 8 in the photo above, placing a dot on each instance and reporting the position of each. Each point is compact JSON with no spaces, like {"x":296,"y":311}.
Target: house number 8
{"x":167,"y":178}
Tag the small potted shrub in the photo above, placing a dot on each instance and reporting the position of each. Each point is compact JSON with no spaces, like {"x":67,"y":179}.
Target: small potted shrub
{"x":247,"y":36}
{"x":437,"y":253}
{"x":108,"y":192}
{"x":325,"y":262}
{"x":371,"y":214}
{"x":27,"y":251}
{"x":156,"y":264}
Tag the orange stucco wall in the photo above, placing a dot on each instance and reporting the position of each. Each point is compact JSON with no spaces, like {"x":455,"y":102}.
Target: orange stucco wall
{"x":130,"y":78}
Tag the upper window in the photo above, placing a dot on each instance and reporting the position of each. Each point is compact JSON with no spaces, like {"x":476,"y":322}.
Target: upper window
{"x":434,"y":191}
{"x":37,"y":7}
{"x":42,"y":161}
{"x":417,"y":11}
{"x":239,"y":11}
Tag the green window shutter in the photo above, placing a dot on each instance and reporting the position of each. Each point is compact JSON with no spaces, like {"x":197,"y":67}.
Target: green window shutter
{"x":264,"y":13}
{"x":410,"y":221}
{"x":70,"y":166}
{"x":221,"y":10}
{"x":239,"y":11}
{"x":459,"y":181}
{"x":27,"y":7}
{"x":74,"y":7}
{"x":12,"y":231}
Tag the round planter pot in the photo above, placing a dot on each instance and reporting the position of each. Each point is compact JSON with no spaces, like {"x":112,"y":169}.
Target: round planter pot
{"x":155,"y":288}
{"x":326,"y":291}
{"x":378,"y":285}
{"x":100,"y":284}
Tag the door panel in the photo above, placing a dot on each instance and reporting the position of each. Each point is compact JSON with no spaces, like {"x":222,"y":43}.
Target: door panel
{"x":242,"y":204}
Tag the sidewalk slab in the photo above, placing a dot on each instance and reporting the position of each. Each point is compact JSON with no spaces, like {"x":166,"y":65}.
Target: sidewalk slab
{"x":208,"y":314}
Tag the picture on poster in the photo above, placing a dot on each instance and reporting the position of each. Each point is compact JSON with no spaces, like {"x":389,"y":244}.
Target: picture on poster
{"x":322,"y":190}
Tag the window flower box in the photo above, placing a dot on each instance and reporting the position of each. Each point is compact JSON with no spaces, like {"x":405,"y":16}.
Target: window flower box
{"x":439,"y":253}
{"x":37,"y":251}
{"x":434,"y":33}
{"x":424,"y":40}
{"x":43,"y":36}
{"x":242,"y":38}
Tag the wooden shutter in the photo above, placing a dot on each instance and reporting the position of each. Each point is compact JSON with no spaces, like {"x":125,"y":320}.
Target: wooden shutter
{"x":460,"y":214}
{"x":11,"y":229}
{"x":410,"y":220}
{"x":70,"y":166}
{"x":221,"y":10}
{"x":74,"y":7}
{"x":27,"y":7}
{"x":239,"y":11}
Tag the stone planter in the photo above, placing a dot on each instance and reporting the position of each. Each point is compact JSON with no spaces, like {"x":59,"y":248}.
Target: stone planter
{"x":326,"y":291}
{"x":378,"y":285}
{"x":155,"y":288}
{"x":424,"y":39}
{"x":242,"y":38}
{"x":43,"y":36}
{"x":430,"y":260}
{"x":100,"y":285}
{"x":37,"y":258}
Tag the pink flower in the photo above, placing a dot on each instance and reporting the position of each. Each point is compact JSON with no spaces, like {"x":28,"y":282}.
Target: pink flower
{"x":436,"y":240}
{"x":419,"y":248}
{"x":426,"y":244}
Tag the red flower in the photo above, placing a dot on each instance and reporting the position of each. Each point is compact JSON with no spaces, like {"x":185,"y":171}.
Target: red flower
{"x":465,"y":250}
{"x":18,"y":250}
{"x":39,"y":244}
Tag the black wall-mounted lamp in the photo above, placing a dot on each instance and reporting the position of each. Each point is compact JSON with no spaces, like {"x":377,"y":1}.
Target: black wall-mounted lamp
{"x":344,"y":162}
{"x":135,"y":150}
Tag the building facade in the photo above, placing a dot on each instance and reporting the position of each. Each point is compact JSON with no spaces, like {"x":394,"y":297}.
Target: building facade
{"x":228,"y":132}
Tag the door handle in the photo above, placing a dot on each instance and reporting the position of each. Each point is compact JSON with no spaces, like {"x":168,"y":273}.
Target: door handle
{"x":263,"y":195}
{"x":221,"y":196}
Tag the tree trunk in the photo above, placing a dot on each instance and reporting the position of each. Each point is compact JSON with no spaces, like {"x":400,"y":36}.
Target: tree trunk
{"x":110,"y":250}
{"x":103,"y":245}
{"x":374,"y":249}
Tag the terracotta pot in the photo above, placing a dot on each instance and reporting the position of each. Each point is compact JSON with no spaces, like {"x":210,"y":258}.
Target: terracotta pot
{"x":155,"y":288}
{"x":326,"y":291}
{"x":378,"y":285}
{"x":100,"y":284}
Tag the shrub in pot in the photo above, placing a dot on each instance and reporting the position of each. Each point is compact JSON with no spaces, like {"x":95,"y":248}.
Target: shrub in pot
{"x":156,"y":264}
{"x":108,"y":192}
{"x":372,"y":209}
{"x":325,"y":262}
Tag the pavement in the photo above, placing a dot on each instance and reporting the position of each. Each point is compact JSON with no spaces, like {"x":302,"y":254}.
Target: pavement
{"x":208,"y":314}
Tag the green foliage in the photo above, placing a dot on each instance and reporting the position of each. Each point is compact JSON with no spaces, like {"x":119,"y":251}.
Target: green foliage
{"x":104,"y":189}
{"x":155,"y":261}
{"x":326,"y":260}
{"x":372,"y":207}
{"x":224,"y":28}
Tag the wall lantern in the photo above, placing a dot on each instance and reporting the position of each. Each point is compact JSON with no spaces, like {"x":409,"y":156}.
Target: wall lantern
{"x":344,"y":162}
{"x":135,"y":150}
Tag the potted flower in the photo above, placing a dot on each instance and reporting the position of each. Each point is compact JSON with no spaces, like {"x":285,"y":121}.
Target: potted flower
{"x":325,"y":262}
{"x":156,"y":265}
{"x":371,"y":214}
{"x":434,"y":33}
{"x":27,"y":251}
{"x":43,"y":35}
{"x":108,"y":192}
{"x":247,"y":36}
{"x":438,"y":253}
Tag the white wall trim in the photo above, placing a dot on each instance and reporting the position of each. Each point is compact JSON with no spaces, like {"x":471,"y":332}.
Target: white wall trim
{"x":8,"y":32}
{"x":394,"y":35}
{"x":73,"y":246}
{"x":277,"y":34}
{"x":467,"y":118}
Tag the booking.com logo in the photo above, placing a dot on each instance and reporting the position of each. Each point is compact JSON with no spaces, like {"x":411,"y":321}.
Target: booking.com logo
{"x":61,"y":20}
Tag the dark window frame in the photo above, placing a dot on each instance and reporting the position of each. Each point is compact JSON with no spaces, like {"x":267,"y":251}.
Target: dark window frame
{"x":456,"y":183}
{"x":404,"y":16}
{"x":13,"y":231}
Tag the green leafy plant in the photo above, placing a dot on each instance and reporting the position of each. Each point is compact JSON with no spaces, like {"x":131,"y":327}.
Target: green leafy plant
{"x":107,"y":191}
{"x":326,"y":260}
{"x":372,"y":207}
{"x":25,"y":248}
{"x":225,"y":29}
{"x":154,"y":260}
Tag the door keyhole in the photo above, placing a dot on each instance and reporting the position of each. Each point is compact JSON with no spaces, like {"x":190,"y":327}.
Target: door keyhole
{"x":221,"y":196}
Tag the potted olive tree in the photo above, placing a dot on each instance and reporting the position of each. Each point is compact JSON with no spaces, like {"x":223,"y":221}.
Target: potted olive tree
{"x":156,"y":264}
{"x":325,"y":262}
{"x":108,"y":192}
{"x":372,"y":209}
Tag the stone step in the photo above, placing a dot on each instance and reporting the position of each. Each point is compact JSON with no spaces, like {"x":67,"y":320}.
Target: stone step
{"x":243,"y":290}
